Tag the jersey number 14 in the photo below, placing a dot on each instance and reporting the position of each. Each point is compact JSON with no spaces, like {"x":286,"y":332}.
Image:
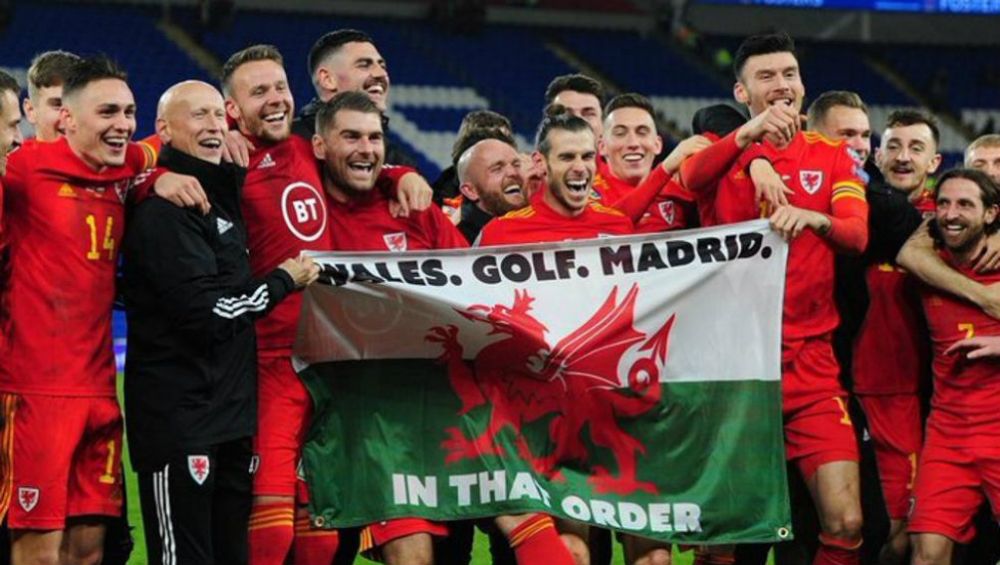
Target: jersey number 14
{"x":107,"y":244}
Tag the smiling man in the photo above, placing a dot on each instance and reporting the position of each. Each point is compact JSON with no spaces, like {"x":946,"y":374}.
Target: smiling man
{"x":959,"y":463}
{"x":351,"y":144}
{"x":492,"y":183}
{"x":64,"y":204}
{"x":286,"y":213}
{"x":192,"y":303}
{"x":342,"y":60}
{"x":908,"y":154}
{"x":826,"y":213}
{"x":630,"y":144}
{"x":567,"y":145}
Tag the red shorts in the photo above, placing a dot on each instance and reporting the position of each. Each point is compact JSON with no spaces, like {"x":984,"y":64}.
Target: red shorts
{"x":283,"y":413}
{"x":896,"y":430}
{"x":818,"y":428}
{"x":374,"y":536}
{"x":64,"y":459}
{"x":951,"y":484}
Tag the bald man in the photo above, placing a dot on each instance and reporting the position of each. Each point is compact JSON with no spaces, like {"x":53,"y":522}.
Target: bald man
{"x":191,"y":302}
{"x":491,"y":182}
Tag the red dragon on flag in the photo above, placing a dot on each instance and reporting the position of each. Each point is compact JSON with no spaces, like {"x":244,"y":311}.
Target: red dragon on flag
{"x":523,"y":379}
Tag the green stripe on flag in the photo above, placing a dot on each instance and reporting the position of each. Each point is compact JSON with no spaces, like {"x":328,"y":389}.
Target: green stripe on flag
{"x":702,"y":463}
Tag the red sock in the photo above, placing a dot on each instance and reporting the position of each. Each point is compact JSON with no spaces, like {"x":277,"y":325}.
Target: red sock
{"x":313,"y":546}
{"x":536,"y":542}
{"x":837,"y":551}
{"x":271,"y":533}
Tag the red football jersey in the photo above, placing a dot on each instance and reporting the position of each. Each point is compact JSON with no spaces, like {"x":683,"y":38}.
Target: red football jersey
{"x":671,"y":209}
{"x":965,"y":408}
{"x":64,"y":223}
{"x":539,"y":222}
{"x":609,"y":189}
{"x":894,"y":322}
{"x":824,"y":178}
{"x":285,"y":210}
{"x":365,"y":224}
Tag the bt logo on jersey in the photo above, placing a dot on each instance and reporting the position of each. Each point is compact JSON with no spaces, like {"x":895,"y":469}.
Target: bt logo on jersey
{"x":304,"y":211}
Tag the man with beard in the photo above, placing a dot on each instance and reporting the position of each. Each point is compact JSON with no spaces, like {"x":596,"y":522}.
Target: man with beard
{"x":491,"y":182}
{"x":285,"y":211}
{"x":566,"y":211}
{"x":959,"y":463}
{"x":473,"y":124}
{"x":350,"y":142}
{"x":342,"y":60}
{"x":825,"y":212}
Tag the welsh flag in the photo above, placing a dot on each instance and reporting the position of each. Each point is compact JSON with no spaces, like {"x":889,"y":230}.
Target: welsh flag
{"x":632,"y":383}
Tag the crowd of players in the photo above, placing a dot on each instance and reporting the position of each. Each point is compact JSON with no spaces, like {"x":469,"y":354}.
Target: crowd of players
{"x":212,"y":212}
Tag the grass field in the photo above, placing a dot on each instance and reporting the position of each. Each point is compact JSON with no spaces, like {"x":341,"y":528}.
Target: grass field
{"x":480,"y":549}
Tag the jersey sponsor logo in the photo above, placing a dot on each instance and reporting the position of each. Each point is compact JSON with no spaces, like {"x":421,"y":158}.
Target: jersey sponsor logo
{"x":66,"y":191}
{"x":667,"y":211}
{"x":266,"y":162}
{"x":395,"y":241}
{"x":199,"y":466}
{"x":304,"y":211}
{"x":811,"y":180}
{"x":28,"y":497}
{"x":223,"y":225}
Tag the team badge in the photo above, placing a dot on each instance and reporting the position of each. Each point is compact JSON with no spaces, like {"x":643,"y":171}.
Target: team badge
{"x":28,"y":497}
{"x":198,"y":466}
{"x":668,"y":211}
{"x":811,"y":180}
{"x":121,"y":189}
{"x":395,"y":241}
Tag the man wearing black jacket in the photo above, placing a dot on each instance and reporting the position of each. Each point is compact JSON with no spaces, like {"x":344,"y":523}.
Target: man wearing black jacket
{"x":190,"y":390}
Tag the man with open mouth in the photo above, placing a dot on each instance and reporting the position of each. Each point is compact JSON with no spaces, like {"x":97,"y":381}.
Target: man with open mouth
{"x":491,"y":182}
{"x":342,"y":60}
{"x":191,"y":307}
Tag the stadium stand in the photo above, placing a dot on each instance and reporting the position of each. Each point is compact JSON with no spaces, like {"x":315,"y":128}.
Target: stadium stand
{"x":503,"y":67}
{"x":114,"y":30}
